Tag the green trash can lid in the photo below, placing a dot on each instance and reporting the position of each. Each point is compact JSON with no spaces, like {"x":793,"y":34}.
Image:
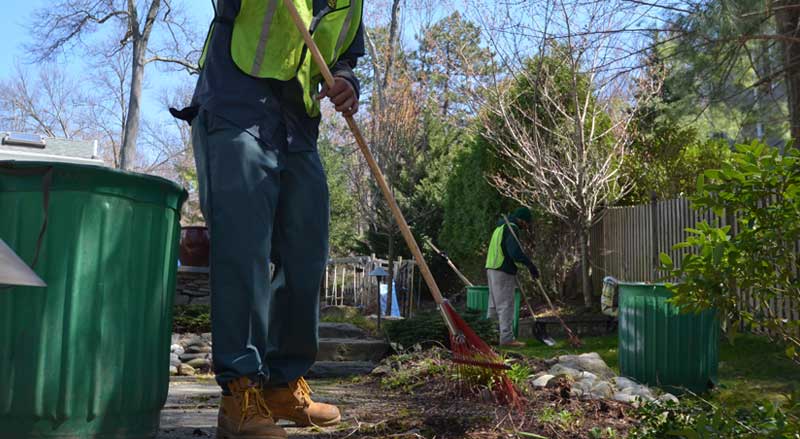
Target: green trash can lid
{"x":95,"y":179}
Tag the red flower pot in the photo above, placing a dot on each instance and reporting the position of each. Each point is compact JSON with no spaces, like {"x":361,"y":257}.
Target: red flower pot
{"x":194,"y":246}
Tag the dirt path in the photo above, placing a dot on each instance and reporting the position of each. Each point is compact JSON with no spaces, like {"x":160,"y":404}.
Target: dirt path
{"x":191,"y":411}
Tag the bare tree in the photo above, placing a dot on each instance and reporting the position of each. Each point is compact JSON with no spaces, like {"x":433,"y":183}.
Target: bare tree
{"x":44,"y":100}
{"x":561,"y":120}
{"x":67,"y":24}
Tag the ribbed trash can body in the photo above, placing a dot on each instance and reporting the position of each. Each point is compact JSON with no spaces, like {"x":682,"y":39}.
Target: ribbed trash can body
{"x":660,"y":346}
{"x":478,"y":300}
{"x":87,"y":356}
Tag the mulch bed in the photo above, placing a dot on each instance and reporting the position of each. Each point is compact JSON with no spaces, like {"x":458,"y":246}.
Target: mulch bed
{"x":438,"y":404}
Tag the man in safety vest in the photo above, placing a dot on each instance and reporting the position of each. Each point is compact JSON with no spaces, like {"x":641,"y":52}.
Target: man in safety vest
{"x":255,"y":119}
{"x":501,"y":270}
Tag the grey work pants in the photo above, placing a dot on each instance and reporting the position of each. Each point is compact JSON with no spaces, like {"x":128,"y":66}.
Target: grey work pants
{"x":501,"y":302}
{"x":261,"y":205}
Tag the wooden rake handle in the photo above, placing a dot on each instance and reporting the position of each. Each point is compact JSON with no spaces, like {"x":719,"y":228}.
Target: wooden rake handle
{"x":373,"y":165}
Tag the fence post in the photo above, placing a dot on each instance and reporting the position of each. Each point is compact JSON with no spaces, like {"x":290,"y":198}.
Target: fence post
{"x":654,"y":236}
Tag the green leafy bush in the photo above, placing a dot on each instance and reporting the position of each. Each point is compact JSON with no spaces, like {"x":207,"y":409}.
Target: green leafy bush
{"x":702,"y":420}
{"x":191,"y":318}
{"x":760,"y":188}
{"x":427,"y":327}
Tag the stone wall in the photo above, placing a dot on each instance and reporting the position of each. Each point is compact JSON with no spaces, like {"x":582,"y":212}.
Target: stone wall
{"x":192,"y":288}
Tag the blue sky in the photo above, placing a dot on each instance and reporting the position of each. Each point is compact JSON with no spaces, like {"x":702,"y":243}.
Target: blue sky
{"x":14,"y":36}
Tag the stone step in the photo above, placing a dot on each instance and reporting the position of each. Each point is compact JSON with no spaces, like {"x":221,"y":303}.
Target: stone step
{"x":337,"y":369}
{"x":350,"y":349}
{"x":340,"y":330}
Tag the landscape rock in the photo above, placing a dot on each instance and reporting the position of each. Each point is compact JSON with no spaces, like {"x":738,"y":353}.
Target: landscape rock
{"x":602,"y":390}
{"x":176,"y":349}
{"x":192,"y":340}
{"x":542,"y":380}
{"x":173,"y":370}
{"x":198,"y":349}
{"x":189,"y":357}
{"x":590,"y":362}
{"x":585,"y":386}
{"x":185,"y":369}
{"x":587,"y":376}
{"x":550,"y":362}
{"x":641,"y":391}
{"x":174,"y":360}
{"x":623,"y":383}
{"x":200,"y":363}
{"x":625,"y":397}
{"x":560,"y":369}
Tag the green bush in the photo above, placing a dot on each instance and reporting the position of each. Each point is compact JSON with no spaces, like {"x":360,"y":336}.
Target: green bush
{"x":428,"y":327}
{"x":694,"y":419}
{"x":760,"y":187}
{"x":191,"y":318}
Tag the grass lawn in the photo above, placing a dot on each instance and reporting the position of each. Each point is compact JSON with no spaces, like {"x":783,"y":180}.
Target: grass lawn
{"x":752,"y":368}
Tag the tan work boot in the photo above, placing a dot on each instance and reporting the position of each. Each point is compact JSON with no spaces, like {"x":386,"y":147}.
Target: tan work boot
{"x":244,"y":414}
{"x":293,"y":403}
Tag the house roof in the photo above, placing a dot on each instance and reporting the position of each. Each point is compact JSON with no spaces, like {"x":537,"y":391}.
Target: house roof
{"x":24,"y":146}
{"x":53,"y":145}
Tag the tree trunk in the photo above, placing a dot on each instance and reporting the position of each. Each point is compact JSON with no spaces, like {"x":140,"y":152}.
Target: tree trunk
{"x":131,"y":130}
{"x":583,"y":236}
{"x":787,"y":20}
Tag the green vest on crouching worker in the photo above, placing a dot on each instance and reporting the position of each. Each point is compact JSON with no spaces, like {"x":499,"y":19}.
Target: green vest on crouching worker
{"x":495,"y":256}
{"x":265,"y":42}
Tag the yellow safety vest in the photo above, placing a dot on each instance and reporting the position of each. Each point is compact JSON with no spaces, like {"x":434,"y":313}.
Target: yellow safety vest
{"x":495,"y":256}
{"x":265,"y":42}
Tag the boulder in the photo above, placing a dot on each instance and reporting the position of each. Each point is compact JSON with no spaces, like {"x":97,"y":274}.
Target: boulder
{"x":560,"y":369}
{"x":198,"y":349}
{"x":185,"y":369}
{"x":192,"y":340}
{"x":189,"y":357}
{"x":587,"y":376}
{"x":176,"y":349}
{"x":623,"y":383}
{"x":589,"y":362}
{"x":200,"y":363}
{"x":542,"y":380}
{"x":625,"y":397}
{"x":602,"y":390}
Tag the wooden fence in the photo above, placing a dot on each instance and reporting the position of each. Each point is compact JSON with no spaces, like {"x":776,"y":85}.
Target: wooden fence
{"x":347,"y":282}
{"x":627,"y":242}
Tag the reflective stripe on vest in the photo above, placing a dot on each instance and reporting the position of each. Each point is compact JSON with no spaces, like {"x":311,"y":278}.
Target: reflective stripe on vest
{"x":262,"y":39}
{"x":495,"y":256}
{"x":265,"y":42}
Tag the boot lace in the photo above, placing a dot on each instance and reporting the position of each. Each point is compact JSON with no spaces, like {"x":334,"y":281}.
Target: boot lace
{"x":305,"y":391}
{"x":253,"y":404}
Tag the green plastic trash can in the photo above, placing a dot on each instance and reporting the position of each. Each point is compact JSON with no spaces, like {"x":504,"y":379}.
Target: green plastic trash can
{"x":660,"y":346}
{"x":478,"y":300}
{"x":87,"y":356}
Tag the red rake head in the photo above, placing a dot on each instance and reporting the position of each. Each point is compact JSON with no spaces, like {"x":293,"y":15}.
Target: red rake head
{"x":470,"y":351}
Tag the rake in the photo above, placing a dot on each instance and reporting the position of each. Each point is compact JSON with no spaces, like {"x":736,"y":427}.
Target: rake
{"x":467,"y":347}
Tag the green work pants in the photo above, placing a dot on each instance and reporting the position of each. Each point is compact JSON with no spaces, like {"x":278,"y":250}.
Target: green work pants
{"x":261,"y":205}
